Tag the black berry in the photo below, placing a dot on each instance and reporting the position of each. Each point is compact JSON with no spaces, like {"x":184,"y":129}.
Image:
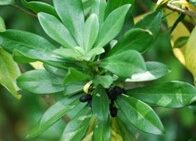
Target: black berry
{"x":86,"y":98}
{"x":113,"y":111}
{"x":115,"y":92}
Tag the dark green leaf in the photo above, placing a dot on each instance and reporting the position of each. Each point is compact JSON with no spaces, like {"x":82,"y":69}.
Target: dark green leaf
{"x":112,"y":25}
{"x":77,"y":127}
{"x":140,"y":115}
{"x":134,"y":39}
{"x":40,"y":82}
{"x":102,"y":131}
{"x":56,"y":71}
{"x":155,"y":70}
{"x":72,"y":15}
{"x":181,"y":42}
{"x":173,"y":94}
{"x":56,"y":30}
{"x":52,"y":115}
{"x":100,"y":104}
{"x":124,"y":64}
{"x":37,"y":6}
{"x":112,"y":5}
{"x":27,"y":44}
{"x":151,"y":22}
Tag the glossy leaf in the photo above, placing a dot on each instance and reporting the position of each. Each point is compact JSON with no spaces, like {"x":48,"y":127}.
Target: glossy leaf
{"x":112,"y":25}
{"x":9,"y":71}
{"x":154,"y":71}
{"x":40,"y":82}
{"x":32,"y":46}
{"x":102,"y":131}
{"x":72,"y":15}
{"x":77,"y":127}
{"x":100,"y":104}
{"x":56,"y":30}
{"x":105,"y":80}
{"x":140,"y":115}
{"x":173,"y":94}
{"x":134,"y":39}
{"x":38,"y":6}
{"x":124,"y":64}
{"x":52,"y":115}
{"x":6,"y":2}
{"x":91,"y":31}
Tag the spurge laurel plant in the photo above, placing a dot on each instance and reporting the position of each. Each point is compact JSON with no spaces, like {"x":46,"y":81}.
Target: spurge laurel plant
{"x":94,"y":66}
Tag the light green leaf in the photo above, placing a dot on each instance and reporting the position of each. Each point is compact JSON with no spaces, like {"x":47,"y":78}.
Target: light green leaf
{"x":98,"y":7}
{"x":112,"y":25}
{"x":91,"y":31}
{"x":102,"y":131}
{"x":9,"y":71}
{"x":2,"y":25}
{"x":105,"y":80}
{"x":6,"y":2}
{"x":29,"y":45}
{"x":52,"y":115}
{"x":72,"y":15}
{"x":134,"y":39}
{"x":56,"y":30}
{"x":173,"y":94}
{"x":77,"y":127}
{"x":155,"y":70}
{"x":140,"y":115}
{"x":38,"y":6}
{"x":100,"y":104}
{"x":40,"y":82}
{"x":124,"y":64}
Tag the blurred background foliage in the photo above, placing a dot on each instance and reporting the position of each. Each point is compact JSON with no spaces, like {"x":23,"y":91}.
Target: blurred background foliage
{"x":17,"y":117}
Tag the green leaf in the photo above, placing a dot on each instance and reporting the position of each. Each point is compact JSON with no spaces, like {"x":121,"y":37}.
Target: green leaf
{"x":28,"y":44}
{"x":173,"y":94}
{"x":98,"y":7}
{"x":112,"y":5}
{"x":102,"y":131}
{"x":6,"y":2}
{"x":2,"y":25}
{"x":52,"y":115}
{"x":155,"y":70}
{"x":38,"y":6}
{"x":112,"y":25}
{"x":105,"y":80}
{"x":193,"y":2}
{"x":91,"y":31}
{"x":74,"y":81}
{"x":134,"y":39}
{"x":9,"y":71}
{"x":77,"y":127}
{"x":40,"y":82}
{"x":140,"y":115}
{"x":124,"y":64}
{"x":151,"y":22}
{"x":72,"y":15}
{"x":56,"y":71}
{"x":56,"y":30}
{"x":100,"y":104}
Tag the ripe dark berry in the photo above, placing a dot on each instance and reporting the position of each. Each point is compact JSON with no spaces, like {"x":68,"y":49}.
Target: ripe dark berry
{"x":113,"y":111}
{"x":86,"y":98}
{"x":115,"y":92}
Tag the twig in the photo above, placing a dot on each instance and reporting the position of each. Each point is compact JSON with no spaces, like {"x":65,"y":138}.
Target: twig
{"x":184,"y":11}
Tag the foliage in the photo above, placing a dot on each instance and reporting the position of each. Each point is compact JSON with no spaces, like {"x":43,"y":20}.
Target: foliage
{"x":97,"y":69}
